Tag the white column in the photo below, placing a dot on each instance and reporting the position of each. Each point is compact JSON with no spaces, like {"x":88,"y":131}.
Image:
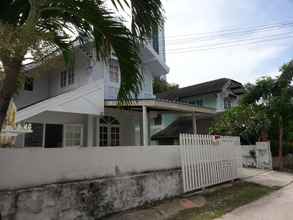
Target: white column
{"x":90,"y":131}
{"x":145,"y":126}
{"x":194,"y":123}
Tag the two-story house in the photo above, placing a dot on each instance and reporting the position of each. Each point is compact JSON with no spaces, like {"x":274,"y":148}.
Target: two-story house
{"x":78,"y":106}
{"x":219,"y":95}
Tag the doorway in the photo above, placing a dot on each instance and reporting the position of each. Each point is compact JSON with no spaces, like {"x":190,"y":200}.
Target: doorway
{"x":54,"y":135}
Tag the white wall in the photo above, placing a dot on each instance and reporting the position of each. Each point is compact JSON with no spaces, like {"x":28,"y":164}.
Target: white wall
{"x":24,"y":167}
{"x":85,"y":71}
{"x":40,"y":92}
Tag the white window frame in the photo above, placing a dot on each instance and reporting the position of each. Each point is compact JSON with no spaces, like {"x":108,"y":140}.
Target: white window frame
{"x":109,"y":133}
{"x":113,"y":79}
{"x":65,"y":127}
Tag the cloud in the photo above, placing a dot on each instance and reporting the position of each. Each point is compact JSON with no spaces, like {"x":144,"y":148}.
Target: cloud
{"x":243,"y":63}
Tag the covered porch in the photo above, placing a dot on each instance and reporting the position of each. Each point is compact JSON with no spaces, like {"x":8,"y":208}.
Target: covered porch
{"x":129,"y":125}
{"x":147,"y":116}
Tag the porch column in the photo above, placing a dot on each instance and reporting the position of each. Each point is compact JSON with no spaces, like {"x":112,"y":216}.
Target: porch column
{"x":145,"y":126}
{"x":194,"y":123}
{"x":90,"y":131}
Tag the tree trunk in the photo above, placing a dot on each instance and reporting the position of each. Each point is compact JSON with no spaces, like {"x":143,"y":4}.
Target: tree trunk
{"x":12,"y":69}
{"x":280,"y":153}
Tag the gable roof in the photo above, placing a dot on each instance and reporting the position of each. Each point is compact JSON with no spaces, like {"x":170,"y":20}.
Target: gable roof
{"x":209,"y":87}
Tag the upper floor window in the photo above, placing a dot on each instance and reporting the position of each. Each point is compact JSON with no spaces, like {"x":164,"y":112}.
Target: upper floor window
{"x":29,"y":83}
{"x":199,"y":102}
{"x":70,"y":73}
{"x":67,"y":77}
{"x":227,"y":103}
{"x":155,"y":39}
{"x":114,"y":71}
{"x":63,"y":79}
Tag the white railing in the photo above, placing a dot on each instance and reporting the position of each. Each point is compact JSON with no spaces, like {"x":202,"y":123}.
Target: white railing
{"x":207,"y":161}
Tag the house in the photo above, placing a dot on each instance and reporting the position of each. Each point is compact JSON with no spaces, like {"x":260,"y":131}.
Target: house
{"x":78,"y":106}
{"x":219,"y":95}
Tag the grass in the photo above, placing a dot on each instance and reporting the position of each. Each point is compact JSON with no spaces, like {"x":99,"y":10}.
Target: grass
{"x":224,"y":200}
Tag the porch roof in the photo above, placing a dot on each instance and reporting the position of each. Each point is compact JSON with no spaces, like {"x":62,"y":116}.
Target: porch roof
{"x":163,"y":105}
{"x":84,"y":100}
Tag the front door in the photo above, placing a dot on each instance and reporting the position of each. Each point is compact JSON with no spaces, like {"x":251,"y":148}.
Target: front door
{"x":54,"y":135}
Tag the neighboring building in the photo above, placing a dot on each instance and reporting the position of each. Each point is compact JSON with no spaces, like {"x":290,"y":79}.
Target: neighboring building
{"x":219,"y":95}
{"x":78,"y":106}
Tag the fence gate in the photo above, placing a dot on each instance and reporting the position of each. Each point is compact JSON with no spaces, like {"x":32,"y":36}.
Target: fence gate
{"x":207,"y":161}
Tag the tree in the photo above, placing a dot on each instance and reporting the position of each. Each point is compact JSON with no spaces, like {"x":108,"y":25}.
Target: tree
{"x":266,"y":105}
{"x":161,"y":85}
{"x":36,"y":30}
{"x":250,"y":122}
{"x":276,"y":97}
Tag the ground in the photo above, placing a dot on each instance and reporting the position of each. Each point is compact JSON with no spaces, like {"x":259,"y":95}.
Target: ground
{"x":224,"y":200}
{"x":220,"y":200}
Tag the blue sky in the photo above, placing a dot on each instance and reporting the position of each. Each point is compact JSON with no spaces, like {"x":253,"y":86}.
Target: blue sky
{"x":244,"y":63}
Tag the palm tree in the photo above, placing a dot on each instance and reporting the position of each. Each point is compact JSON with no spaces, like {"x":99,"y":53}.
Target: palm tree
{"x":276,"y":97}
{"x":36,"y":29}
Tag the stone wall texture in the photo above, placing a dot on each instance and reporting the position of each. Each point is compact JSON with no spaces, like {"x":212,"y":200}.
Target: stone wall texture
{"x":91,"y":199}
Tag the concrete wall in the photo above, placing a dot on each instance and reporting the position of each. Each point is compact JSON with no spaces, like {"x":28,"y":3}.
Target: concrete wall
{"x":89,"y":199}
{"x":26,"y":167}
{"x":257,"y":156}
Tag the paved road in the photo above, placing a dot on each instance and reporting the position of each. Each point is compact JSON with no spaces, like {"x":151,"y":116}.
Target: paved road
{"x":277,"y":206}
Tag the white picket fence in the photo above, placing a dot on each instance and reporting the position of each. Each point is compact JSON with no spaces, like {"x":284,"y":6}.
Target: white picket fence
{"x":208,"y":161}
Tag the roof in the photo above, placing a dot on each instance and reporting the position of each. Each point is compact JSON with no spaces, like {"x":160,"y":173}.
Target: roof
{"x":88,"y":99}
{"x":209,"y":87}
{"x":157,"y":104}
{"x":181,"y":125}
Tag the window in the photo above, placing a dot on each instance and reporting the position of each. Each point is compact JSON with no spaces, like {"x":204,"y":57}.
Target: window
{"x":109,"y":131}
{"x":29,"y":83}
{"x":156,"y":39}
{"x":63,"y":79}
{"x":158,"y":120}
{"x":73,"y":135}
{"x":70,"y":73}
{"x":34,"y":139}
{"x":199,"y":102}
{"x":103,"y":136}
{"x":114,"y":71}
{"x":227,"y":103}
{"x":67,"y":77}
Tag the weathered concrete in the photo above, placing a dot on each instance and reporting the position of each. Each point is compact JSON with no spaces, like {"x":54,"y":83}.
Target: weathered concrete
{"x":266,"y":177}
{"x":277,"y":206}
{"x":89,"y":199}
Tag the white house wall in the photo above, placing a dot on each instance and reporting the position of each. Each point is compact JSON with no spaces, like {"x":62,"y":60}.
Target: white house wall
{"x":112,"y":88}
{"x":40,"y":92}
{"x":86,"y":70}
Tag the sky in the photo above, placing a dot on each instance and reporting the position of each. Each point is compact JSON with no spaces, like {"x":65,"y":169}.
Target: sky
{"x":188,"y":20}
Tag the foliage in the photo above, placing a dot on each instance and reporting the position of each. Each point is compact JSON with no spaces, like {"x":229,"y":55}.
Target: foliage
{"x":160,"y":86}
{"x":33,"y":30}
{"x":271,"y":100}
{"x":246,"y":121}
